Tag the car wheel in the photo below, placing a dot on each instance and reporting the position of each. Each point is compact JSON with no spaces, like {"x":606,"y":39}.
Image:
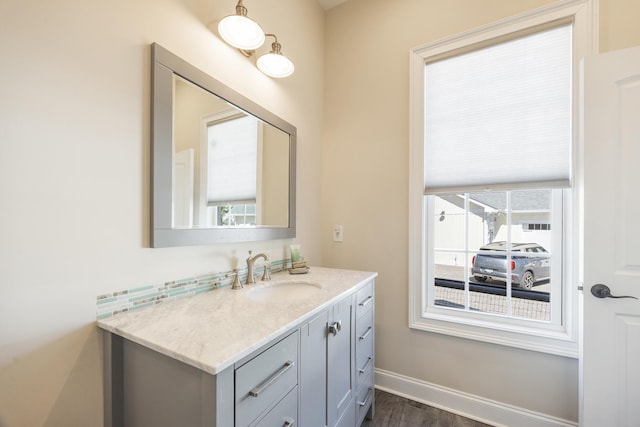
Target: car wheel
{"x":527,"y":280}
{"x":480,"y":278}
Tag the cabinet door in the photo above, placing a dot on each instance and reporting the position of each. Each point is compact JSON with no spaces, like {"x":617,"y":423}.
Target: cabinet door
{"x":313,"y":371}
{"x":340,"y":353}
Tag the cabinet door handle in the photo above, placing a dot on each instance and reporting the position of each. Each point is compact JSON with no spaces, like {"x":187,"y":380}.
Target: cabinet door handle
{"x":366,"y":365}
{"x":366,"y":301}
{"x":289,"y":422}
{"x":366,"y":334}
{"x":265,"y":385}
{"x":366,"y":399}
{"x":335,"y":327}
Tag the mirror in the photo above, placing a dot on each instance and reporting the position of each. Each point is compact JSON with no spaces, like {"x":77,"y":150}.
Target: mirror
{"x":223,"y":167}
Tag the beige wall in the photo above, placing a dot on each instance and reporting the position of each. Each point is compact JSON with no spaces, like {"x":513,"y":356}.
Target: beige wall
{"x":74,"y":175}
{"x":365,"y":186}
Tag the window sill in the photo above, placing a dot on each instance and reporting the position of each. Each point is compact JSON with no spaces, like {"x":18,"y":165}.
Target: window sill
{"x":558,"y":343}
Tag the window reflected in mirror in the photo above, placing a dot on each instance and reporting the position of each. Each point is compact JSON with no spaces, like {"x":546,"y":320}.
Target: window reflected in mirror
{"x":230,"y":168}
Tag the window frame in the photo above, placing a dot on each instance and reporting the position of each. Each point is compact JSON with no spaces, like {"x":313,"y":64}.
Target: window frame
{"x":561,"y":340}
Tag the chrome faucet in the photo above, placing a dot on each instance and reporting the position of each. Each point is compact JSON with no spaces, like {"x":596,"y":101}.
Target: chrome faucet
{"x":267,"y":274}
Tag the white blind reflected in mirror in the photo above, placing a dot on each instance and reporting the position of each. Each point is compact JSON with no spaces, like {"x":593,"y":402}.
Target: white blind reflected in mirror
{"x":233,"y":154}
{"x":500,"y":115}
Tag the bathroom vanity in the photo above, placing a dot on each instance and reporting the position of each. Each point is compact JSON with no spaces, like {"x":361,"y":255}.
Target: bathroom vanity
{"x":296,"y":350}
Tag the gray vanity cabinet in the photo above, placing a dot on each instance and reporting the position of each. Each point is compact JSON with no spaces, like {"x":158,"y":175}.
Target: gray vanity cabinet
{"x":326,"y":367}
{"x":336,"y":363}
{"x":319,"y":372}
{"x":340,"y":363}
{"x":144,"y":388}
{"x":364,"y":343}
{"x":263,"y":382}
{"x":313,"y":371}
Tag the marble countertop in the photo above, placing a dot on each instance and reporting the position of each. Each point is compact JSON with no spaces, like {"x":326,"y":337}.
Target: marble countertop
{"x":213,"y":330}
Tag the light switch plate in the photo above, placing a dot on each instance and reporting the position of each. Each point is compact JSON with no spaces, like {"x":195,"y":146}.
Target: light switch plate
{"x":337,"y":233}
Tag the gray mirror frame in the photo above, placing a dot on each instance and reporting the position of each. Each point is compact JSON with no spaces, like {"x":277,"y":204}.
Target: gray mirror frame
{"x":164,"y":65}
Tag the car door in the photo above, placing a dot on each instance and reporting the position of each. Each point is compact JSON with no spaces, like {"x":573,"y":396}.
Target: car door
{"x":542,"y":264}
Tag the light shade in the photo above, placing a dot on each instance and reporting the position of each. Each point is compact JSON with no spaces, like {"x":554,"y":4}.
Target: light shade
{"x":241,"y":32}
{"x":274,"y":63}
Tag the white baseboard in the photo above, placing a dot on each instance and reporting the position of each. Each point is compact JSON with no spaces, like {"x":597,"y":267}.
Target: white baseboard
{"x":474,"y":407}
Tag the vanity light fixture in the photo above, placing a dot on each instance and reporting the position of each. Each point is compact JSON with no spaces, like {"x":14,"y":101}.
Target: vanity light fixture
{"x":274,"y":63}
{"x":241,"y":31}
{"x":246,"y":35}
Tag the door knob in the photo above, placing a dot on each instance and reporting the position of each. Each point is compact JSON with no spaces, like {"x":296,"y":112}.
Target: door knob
{"x":602,"y":291}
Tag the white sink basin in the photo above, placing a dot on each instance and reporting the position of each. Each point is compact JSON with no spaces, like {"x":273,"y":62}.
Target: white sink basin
{"x":284,"y":291}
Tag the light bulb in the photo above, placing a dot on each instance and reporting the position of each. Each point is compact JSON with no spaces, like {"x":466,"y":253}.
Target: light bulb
{"x":275,"y":65}
{"x":241,"y":32}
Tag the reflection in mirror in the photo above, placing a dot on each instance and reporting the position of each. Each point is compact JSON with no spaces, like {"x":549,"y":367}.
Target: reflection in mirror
{"x":239,"y":170}
{"x":223,"y":167}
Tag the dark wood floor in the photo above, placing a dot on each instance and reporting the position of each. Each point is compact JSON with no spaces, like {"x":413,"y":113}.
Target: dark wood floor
{"x":396,"y":411}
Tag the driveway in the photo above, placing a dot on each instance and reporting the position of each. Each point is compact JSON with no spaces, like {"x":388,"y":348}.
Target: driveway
{"x":488,"y":303}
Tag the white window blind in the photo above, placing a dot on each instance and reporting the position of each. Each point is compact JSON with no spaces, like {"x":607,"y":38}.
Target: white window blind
{"x":233,"y":153}
{"x":500,"y":115}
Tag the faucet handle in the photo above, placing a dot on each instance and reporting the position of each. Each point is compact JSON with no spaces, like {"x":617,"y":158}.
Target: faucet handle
{"x":236,"y":281}
{"x":267,"y":271}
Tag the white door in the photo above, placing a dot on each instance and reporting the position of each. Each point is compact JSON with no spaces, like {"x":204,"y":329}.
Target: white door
{"x":610,"y":360}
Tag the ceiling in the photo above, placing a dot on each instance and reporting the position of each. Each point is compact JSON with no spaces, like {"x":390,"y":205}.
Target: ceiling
{"x":328,"y":4}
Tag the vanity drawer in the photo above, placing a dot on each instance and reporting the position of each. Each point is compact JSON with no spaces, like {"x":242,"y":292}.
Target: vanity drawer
{"x":349,"y":417}
{"x":266,"y":379}
{"x":284,"y":414}
{"x":364,"y":371}
{"x":364,"y":336}
{"x":364,"y":400}
{"x":364,"y":300}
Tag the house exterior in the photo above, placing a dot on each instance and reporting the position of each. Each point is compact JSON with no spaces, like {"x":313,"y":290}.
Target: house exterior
{"x":530,"y":219}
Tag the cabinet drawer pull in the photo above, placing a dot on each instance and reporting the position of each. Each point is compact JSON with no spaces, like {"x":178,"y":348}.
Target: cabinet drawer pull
{"x":366,"y":334}
{"x":366,"y":301}
{"x":262,"y":387}
{"x":289,"y":422}
{"x":366,"y":365}
{"x":366,"y":399}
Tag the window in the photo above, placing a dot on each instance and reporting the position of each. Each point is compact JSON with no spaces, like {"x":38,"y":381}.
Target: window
{"x":492,"y":168}
{"x":532,"y":227}
{"x":232,"y":145}
{"x":482,"y":262}
{"x":234,"y":215}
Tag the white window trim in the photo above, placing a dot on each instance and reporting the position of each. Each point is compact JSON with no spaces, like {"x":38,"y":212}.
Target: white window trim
{"x":563,"y":341}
